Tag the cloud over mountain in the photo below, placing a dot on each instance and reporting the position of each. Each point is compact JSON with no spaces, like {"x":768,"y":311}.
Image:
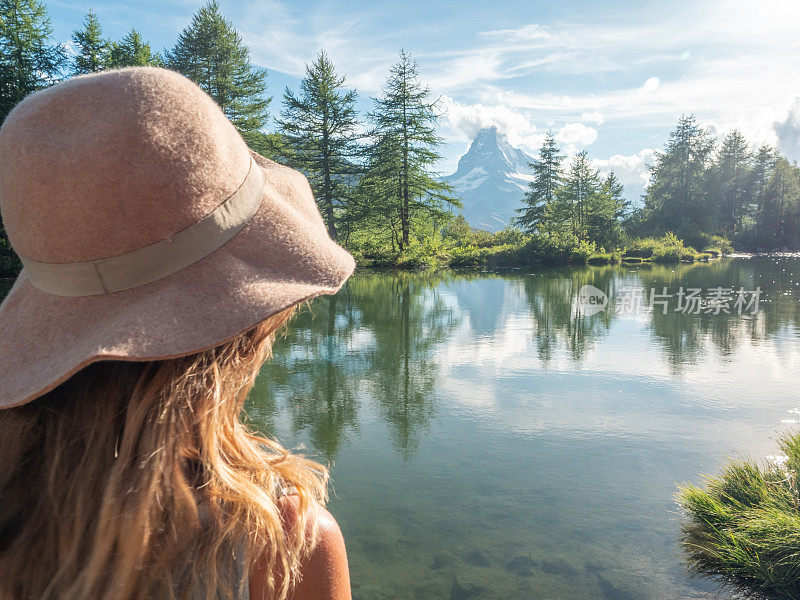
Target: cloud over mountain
{"x":787,"y":131}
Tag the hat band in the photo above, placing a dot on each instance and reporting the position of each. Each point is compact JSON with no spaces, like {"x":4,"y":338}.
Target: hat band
{"x":158,"y":260}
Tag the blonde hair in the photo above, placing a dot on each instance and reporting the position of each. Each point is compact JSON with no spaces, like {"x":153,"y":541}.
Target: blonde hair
{"x":136,"y":480}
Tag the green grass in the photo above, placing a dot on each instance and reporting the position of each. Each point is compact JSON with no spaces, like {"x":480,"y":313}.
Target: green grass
{"x":668,"y":249}
{"x":743,"y":527}
{"x":511,"y":248}
{"x":604,"y":258}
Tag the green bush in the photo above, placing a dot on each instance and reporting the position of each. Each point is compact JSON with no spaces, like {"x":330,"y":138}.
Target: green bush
{"x":468,"y":256}
{"x":641,"y":248}
{"x":603,"y":258}
{"x":556,"y":248}
{"x":666,"y":249}
{"x":632,"y":260}
{"x":744,"y":526}
{"x":717,"y":245}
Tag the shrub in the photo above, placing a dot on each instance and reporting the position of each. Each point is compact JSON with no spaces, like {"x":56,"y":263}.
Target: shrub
{"x":667,"y":249}
{"x":556,"y":248}
{"x":744,"y":527}
{"x":717,"y":245}
{"x":603,"y":258}
{"x":641,"y":248}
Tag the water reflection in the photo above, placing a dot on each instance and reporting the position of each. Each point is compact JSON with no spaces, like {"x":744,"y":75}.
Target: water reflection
{"x":378,"y":338}
{"x":490,"y":440}
{"x":558,"y":320}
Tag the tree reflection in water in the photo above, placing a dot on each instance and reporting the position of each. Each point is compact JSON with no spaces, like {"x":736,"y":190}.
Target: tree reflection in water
{"x":373,"y":342}
{"x":377,"y":340}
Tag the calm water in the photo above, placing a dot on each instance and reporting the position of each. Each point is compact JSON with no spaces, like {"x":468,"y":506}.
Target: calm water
{"x":488,"y":441}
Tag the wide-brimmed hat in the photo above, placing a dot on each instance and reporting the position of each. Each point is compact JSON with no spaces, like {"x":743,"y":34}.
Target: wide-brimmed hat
{"x":146,"y":228}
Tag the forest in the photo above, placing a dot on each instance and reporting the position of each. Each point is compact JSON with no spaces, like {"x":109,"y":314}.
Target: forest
{"x":375,"y":177}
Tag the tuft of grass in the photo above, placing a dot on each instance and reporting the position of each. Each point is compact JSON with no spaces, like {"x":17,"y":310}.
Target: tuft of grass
{"x":603,"y":258}
{"x":743,"y":526}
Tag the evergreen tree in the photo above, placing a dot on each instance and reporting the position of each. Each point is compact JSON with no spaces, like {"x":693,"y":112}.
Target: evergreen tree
{"x":577,"y":199}
{"x":378,"y":195}
{"x":547,"y":178}
{"x":211,"y":53}
{"x":779,"y":218}
{"x":131,"y":51}
{"x":406,"y":149}
{"x":28,"y":61}
{"x":730,"y":178}
{"x":606,"y":213}
{"x":92,"y":48}
{"x":763,"y":165}
{"x":321,"y":128}
{"x":676,"y":199}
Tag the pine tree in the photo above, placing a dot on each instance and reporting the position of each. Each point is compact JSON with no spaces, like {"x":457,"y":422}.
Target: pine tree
{"x":211,"y":53}
{"x":577,"y":198}
{"x":403,"y":156}
{"x":131,"y":51}
{"x":763,"y":166}
{"x":92,"y":48}
{"x":606,"y":213}
{"x":547,"y":179}
{"x":676,"y":199}
{"x":378,"y":195}
{"x":730,"y":176}
{"x":28,"y":60}
{"x":321,"y":127}
{"x":779,"y":218}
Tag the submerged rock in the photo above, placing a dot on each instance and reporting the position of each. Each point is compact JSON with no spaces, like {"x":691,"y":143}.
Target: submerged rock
{"x":463,"y":592}
{"x":521,"y":565}
{"x":476,"y":559}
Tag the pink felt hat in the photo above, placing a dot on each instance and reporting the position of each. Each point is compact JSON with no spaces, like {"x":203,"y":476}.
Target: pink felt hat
{"x":146,"y":227}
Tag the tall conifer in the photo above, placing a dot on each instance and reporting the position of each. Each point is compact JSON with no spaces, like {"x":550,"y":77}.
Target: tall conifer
{"x":92,"y":48}
{"x":29,"y":61}
{"x":132,"y":51}
{"x":406,"y":148}
{"x":547,"y":178}
{"x":211,"y":53}
{"x":321,"y":127}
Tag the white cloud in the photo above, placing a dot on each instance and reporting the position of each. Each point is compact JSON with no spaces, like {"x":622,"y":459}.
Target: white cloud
{"x":576,"y":133}
{"x":593,"y":117}
{"x":631,"y":169}
{"x":652,"y":84}
{"x":466,"y":119}
{"x":787,"y":131}
{"x":532,"y":31}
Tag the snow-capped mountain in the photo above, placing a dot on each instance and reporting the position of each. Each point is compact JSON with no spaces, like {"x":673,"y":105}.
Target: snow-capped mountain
{"x":491,"y":179}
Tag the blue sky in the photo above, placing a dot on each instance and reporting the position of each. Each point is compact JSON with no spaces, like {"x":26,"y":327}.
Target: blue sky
{"x":610,"y":77}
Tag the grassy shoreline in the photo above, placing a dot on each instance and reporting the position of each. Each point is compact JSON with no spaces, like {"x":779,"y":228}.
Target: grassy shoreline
{"x":512,"y":249}
{"x":743,"y":526}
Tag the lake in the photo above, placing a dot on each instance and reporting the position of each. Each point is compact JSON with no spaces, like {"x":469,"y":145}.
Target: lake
{"x":489,"y":438}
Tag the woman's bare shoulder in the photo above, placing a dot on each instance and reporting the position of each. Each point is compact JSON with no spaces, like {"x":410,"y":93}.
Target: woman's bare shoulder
{"x":324,"y":574}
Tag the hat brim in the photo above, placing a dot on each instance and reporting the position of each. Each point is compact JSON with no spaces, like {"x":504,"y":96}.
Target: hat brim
{"x":282,"y":257}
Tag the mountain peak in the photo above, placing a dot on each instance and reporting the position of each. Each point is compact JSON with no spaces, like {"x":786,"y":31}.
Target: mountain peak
{"x":491,"y":178}
{"x":490,"y":149}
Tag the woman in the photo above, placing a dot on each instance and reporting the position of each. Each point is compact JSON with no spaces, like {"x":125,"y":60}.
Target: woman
{"x":161,"y":258}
